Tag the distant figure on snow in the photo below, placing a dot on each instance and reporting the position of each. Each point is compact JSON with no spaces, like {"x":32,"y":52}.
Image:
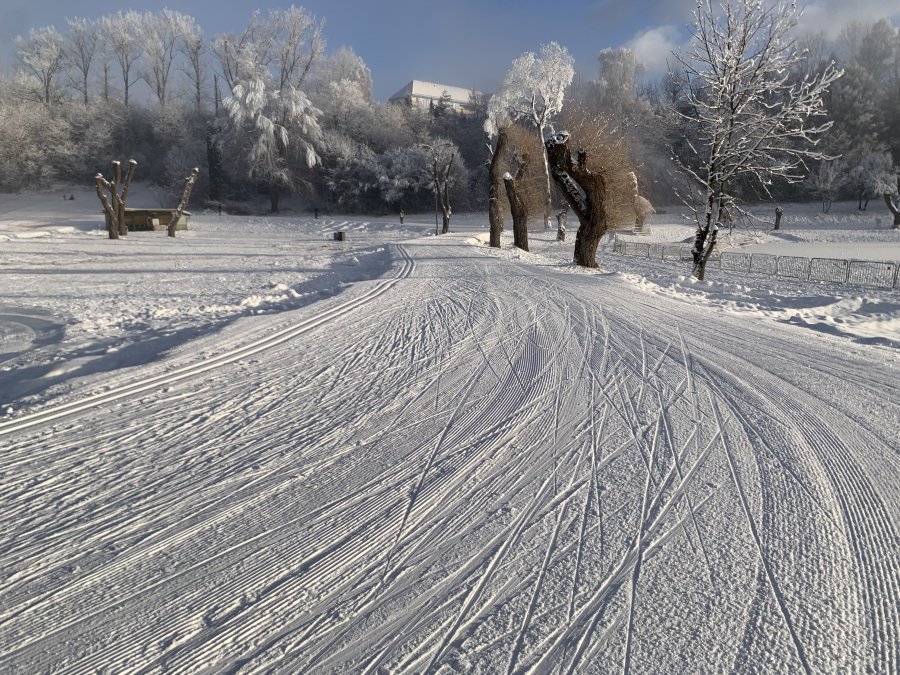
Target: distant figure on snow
{"x":317,"y":212}
{"x":401,"y":216}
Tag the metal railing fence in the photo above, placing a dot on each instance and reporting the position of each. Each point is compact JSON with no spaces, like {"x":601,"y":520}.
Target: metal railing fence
{"x":872,"y":273}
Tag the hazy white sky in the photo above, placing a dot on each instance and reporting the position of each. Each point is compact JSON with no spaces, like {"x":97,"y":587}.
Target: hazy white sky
{"x":468,"y":43}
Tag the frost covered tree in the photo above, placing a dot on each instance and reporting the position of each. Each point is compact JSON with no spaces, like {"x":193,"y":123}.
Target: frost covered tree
{"x":347,"y":67}
{"x":826,"y":180}
{"x":253,"y":46}
{"x":41,"y":57}
{"x":161,"y":33}
{"x":616,"y":87}
{"x":872,"y":177}
{"x":892,"y":199}
{"x":754,"y":121}
{"x":401,"y":171}
{"x":349,"y":169}
{"x":193,"y":48}
{"x":447,"y":169}
{"x":287,"y":42}
{"x":533,"y":90}
{"x":273,"y":130}
{"x":272,"y":122}
{"x":121,"y":34}
{"x":80,"y":45}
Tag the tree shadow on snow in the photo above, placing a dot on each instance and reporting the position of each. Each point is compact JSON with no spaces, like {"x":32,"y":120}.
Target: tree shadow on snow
{"x":141,"y":346}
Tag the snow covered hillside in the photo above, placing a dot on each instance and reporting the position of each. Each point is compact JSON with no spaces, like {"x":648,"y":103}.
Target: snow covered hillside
{"x":252,"y":448}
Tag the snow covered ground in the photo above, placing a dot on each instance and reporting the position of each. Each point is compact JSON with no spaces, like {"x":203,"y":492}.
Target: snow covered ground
{"x":252,"y":448}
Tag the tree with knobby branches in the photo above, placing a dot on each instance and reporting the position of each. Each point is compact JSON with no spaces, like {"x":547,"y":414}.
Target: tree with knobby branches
{"x":115,"y":206}
{"x":596,"y":183}
{"x":517,"y":206}
{"x":495,"y":209}
{"x":497,"y":124}
{"x":586,"y":191}
{"x":753,"y":119}
{"x":179,"y":211}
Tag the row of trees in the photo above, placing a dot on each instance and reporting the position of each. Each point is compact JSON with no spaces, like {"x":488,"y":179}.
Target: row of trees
{"x":745,"y":111}
{"x":267,"y":111}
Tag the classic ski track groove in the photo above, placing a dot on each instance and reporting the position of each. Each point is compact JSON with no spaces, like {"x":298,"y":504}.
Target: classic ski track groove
{"x":191,"y":370}
{"x":546,"y":461}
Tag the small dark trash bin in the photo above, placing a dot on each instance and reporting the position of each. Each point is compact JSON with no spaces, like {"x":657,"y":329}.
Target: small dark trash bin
{"x":340,"y":236}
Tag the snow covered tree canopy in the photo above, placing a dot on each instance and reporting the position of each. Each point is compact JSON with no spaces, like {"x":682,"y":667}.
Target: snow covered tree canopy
{"x":273,"y":130}
{"x":533,"y":89}
{"x":288,"y":43}
{"x":752,"y":116}
{"x":41,"y":57}
{"x":272,"y":122}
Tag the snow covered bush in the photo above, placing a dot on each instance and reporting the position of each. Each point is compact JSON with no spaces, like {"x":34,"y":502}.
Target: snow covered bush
{"x":874,"y":176}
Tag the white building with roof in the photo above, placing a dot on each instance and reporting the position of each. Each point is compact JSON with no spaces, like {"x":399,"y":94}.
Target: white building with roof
{"x":426,"y":95}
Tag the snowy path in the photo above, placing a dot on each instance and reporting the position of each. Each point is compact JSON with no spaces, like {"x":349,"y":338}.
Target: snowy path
{"x":465,"y":465}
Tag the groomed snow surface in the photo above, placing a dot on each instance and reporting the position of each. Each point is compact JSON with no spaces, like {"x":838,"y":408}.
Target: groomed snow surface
{"x":252,"y":448}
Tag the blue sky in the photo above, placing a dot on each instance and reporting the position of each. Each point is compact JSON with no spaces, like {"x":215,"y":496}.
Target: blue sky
{"x":468,"y":43}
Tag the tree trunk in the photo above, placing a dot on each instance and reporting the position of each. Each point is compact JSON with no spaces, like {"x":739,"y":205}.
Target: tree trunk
{"x":517,"y":207}
{"x":548,"y":198}
{"x":585,"y":193}
{"x":189,"y":185}
{"x":700,"y":268}
{"x":214,"y":161}
{"x":894,"y":208}
{"x":495,"y":211}
{"x":123,"y":228}
{"x":561,"y":223}
{"x":112,"y":216}
{"x":707,"y":235}
{"x":445,"y":199}
{"x":115,"y":208}
{"x":274,"y":197}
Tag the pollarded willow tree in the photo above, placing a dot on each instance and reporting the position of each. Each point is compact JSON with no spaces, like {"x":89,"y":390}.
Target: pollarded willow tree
{"x":533,"y":91}
{"x":497,"y":124}
{"x":753,"y":118}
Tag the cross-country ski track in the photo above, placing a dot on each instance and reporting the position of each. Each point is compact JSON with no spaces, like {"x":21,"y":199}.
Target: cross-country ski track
{"x":467,"y":465}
